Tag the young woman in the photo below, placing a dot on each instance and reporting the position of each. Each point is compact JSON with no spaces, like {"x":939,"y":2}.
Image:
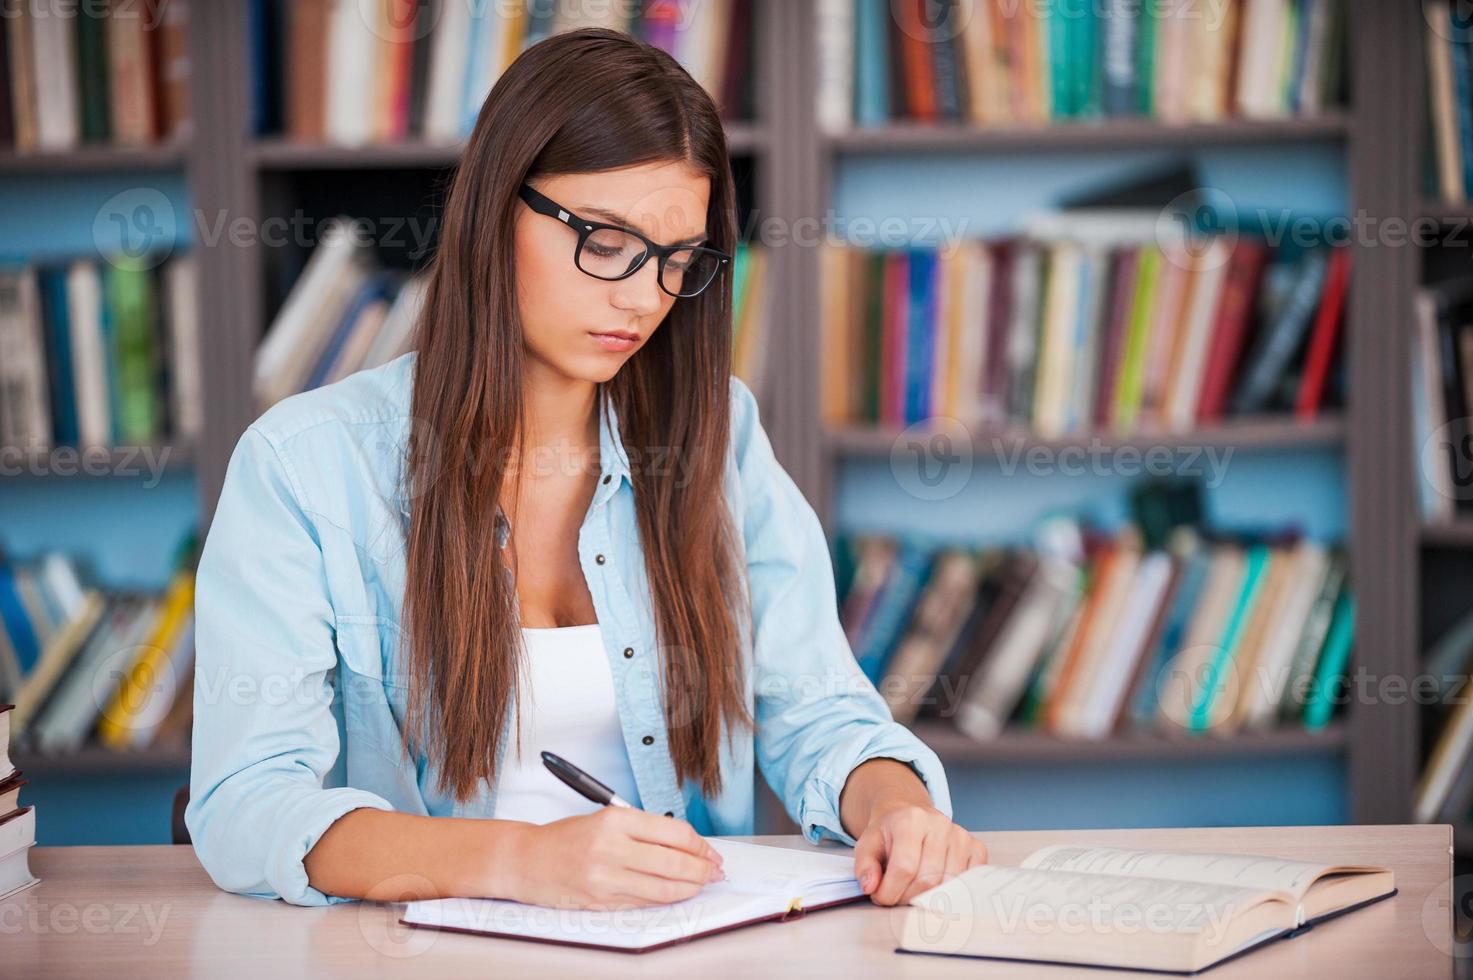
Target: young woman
{"x":556,"y":526}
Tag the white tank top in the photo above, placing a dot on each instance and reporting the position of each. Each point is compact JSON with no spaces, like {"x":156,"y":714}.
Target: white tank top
{"x":567,"y":707}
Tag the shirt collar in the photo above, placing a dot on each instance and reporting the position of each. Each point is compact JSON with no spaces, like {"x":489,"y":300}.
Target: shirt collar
{"x":612,"y":460}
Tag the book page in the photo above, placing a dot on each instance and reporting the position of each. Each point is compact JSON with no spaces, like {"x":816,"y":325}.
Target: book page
{"x":1242,"y":870}
{"x":1045,"y":901}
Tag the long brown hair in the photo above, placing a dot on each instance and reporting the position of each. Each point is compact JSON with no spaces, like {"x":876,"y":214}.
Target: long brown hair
{"x":580,"y":102}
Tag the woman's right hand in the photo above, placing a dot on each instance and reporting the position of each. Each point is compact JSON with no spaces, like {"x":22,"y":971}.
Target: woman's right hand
{"x":616,"y":857}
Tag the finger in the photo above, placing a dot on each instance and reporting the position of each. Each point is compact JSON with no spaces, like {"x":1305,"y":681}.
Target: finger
{"x":901,"y":864}
{"x":934,"y":848}
{"x":667,"y":862}
{"x":959,"y":853}
{"x":978,"y":854}
{"x":868,"y":851}
{"x":670,"y":832}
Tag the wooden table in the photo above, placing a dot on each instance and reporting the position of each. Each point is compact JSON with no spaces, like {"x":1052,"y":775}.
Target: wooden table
{"x":125,"y":911}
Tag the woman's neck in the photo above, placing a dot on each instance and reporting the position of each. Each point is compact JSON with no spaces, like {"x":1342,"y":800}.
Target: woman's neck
{"x":562,"y":418}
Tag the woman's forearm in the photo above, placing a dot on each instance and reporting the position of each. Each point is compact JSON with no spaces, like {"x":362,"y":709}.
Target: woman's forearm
{"x":875,"y":786}
{"x":388,"y":856}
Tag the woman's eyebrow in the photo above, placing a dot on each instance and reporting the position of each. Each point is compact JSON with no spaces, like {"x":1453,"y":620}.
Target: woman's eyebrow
{"x":614,"y":219}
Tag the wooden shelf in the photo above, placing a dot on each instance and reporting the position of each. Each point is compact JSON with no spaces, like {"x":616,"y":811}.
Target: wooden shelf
{"x":280,"y":154}
{"x":1457,"y":533}
{"x":1258,"y":433}
{"x":95,"y":760}
{"x":1039,"y":747}
{"x":68,"y":462}
{"x":1083,"y":134}
{"x":100,"y":158}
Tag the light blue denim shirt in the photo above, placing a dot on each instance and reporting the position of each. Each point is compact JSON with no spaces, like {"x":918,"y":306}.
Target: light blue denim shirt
{"x":299,"y":682}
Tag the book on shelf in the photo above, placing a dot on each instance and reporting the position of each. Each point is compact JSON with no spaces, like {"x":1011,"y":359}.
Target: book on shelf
{"x":106,"y":75}
{"x":1449,"y":57}
{"x":1204,"y":908}
{"x":345,"y":314}
{"x":1442,"y":395}
{"x":86,"y":665}
{"x":387,"y":72}
{"x":1088,"y":322}
{"x":1197,"y":634}
{"x":17,"y":823}
{"x":96,"y":354}
{"x":1445,"y":786}
{"x":995,"y":63}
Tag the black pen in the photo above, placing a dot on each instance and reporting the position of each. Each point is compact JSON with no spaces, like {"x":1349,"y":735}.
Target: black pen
{"x":583,"y":783}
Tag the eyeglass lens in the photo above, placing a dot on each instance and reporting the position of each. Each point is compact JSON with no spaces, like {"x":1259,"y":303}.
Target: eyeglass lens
{"x":609,"y":254}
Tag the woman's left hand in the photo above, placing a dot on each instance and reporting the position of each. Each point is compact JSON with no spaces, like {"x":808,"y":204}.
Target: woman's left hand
{"x":908,"y":848}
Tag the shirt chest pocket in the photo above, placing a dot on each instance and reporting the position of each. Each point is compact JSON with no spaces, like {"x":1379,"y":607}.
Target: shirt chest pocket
{"x":372,"y":684}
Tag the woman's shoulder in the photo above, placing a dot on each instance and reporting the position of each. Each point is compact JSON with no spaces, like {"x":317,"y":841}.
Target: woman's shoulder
{"x":372,"y":397}
{"x":344,"y":443}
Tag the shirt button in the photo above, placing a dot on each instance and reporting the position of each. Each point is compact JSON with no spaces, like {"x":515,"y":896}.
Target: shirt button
{"x":607,"y":478}
{"x":669,"y":813}
{"x":628,"y":652}
{"x":648,"y":740}
{"x":599,"y":559}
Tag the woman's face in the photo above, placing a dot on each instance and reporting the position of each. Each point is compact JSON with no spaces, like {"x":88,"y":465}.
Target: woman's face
{"x":584,"y":328}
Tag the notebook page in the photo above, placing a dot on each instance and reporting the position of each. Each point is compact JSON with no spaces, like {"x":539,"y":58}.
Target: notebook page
{"x":785,"y":872}
{"x":761,"y":881}
{"x":719,"y":904}
{"x":1243,"y":870}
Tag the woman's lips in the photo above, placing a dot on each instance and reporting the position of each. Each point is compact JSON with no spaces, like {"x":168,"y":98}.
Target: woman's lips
{"x":615,"y":342}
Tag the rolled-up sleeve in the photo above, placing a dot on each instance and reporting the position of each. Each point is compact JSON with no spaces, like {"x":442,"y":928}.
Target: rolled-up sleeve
{"x":265,"y":733}
{"x":817,"y":715}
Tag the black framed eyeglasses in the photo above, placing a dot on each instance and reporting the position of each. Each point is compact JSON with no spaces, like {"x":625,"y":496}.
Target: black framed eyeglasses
{"x":613,"y":252}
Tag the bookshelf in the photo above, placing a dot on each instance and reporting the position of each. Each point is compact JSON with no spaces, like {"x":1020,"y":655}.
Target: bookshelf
{"x":1376,"y":136}
{"x":793,"y":167}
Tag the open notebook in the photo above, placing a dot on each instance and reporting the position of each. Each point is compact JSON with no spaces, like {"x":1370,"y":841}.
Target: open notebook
{"x":762,"y":883}
{"x":1146,"y":910}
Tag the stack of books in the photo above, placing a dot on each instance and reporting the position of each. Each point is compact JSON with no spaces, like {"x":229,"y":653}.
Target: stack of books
{"x":996,"y":62}
{"x":17,"y":823}
{"x":388,"y":71}
{"x":1198,"y":635}
{"x":1066,"y":331}
{"x":93,"y":73}
{"x":345,"y":314}
{"x":84,"y":666}
{"x":99,"y":353}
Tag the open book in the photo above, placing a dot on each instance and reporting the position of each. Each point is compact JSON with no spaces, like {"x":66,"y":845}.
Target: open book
{"x":1147,"y":910}
{"x":762,"y":883}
